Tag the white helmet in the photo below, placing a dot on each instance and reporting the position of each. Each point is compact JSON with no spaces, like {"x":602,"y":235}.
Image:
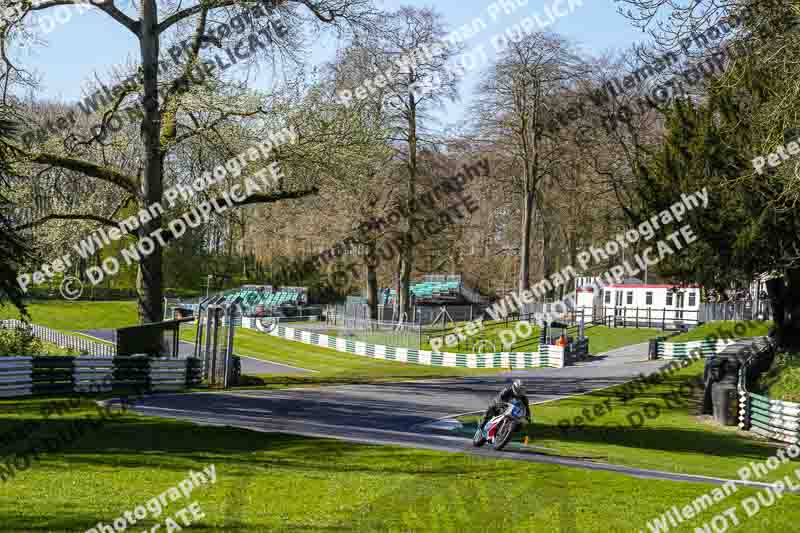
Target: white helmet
{"x":517,"y":387}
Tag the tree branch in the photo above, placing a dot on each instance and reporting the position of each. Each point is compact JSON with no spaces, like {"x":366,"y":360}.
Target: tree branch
{"x":111,"y":10}
{"x":188,"y":12}
{"x":86,"y":168}
{"x":56,"y":216}
{"x":274,"y":197}
{"x":104,"y":5}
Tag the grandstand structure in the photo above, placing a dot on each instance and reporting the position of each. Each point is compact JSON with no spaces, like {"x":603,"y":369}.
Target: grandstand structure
{"x":436,"y":289}
{"x":262,"y":300}
{"x":251,"y":301}
{"x":429,"y":295}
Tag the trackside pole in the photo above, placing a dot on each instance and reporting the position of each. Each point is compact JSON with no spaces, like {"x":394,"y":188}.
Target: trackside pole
{"x":229,"y":347}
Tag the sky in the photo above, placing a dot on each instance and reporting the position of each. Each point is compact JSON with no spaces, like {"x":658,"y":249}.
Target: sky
{"x":90,"y":42}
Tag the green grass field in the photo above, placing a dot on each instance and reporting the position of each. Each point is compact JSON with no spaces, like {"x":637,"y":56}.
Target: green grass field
{"x":79,"y":315}
{"x":281,"y":483}
{"x":724,"y":329}
{"x":675,"y":438}
{"x":782,"y":381}
{"x":331,"y":366}
{"x":601,"y":338}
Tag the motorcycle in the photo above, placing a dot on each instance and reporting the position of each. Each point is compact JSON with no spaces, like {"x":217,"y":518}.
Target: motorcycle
{"x":499,"y":429}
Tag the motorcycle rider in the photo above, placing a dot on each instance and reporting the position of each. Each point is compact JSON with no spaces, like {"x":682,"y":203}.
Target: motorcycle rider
{"x":515,"y":391}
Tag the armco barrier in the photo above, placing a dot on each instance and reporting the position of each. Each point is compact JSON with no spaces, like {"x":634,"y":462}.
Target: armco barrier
{"x":682,"y":350}
{"x":26,"y":376}
{"x":16,"y":377}
{"x":52,"y":375}
{"x":552,"y":357}
{"x":774,"y":419}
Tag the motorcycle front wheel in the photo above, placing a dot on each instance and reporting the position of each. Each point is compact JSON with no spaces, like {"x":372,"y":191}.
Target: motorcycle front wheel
{"x":477,"y":439}
{"x":504,"y":433}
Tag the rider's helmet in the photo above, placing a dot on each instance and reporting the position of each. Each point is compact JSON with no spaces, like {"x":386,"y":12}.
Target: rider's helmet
{"x":517,"y":387}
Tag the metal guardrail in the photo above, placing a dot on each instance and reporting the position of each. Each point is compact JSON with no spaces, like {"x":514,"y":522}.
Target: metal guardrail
{"x":773,"y":419}
{"x":27,"y":376}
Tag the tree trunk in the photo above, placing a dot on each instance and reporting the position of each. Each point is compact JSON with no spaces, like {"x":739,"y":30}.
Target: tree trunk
{"x":547,"y":252}
{"x":525,"y":242}
{"x":785,"y":303}
{"x":406,"y":265}
{"x":149,"y":278}
{"x":372,"y":288}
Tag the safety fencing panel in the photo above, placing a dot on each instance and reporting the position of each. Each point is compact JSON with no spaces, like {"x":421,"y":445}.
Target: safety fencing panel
{"x":92,"y":374}
{"x":26,"y":376}
{"x":774,"y":419}
{"x":167,"y":374}
{"x":553,"y":357}
{"x":16,"y":377}
{"x":684,"y":350}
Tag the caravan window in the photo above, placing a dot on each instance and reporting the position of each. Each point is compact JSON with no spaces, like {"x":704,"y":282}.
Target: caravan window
{"x":669,"y":298}
{"x":692,"y":299}
{"x":648,"y":298}
{"x":608,"y":297}
{"x":630,"y":298}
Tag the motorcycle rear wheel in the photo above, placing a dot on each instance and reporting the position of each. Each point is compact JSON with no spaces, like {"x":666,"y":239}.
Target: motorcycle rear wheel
{"x":504,"y":433}
{"x":478,"y":440}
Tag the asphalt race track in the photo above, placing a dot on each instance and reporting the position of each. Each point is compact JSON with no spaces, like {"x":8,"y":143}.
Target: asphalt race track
{"x":399,"y":413}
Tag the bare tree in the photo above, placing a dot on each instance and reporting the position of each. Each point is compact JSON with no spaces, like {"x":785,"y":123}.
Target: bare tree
{"x":164,"y":86}
{"x":514,"y":105}
{"x":423,"y":75}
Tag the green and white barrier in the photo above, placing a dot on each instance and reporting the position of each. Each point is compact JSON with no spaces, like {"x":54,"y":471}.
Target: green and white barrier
{"x":683,"y":350}
{"x":552,"y":357}
{"x":774,"y":419}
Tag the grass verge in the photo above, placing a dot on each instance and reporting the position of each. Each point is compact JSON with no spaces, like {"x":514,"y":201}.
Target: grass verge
{"x":332,"y":367}
{"x":283,"y":483}
{"x":79,"y":315}
{"x":782,"y":381}
{"x":731,"y":329}
{"x":654,"y":426}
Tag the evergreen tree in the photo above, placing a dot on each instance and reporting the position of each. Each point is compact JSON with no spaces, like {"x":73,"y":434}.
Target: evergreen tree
{"x":745,"y":230}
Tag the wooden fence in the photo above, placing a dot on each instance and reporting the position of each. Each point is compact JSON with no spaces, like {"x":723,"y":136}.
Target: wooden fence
{"x":26,"y":376}
{"x":81,"y":345}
